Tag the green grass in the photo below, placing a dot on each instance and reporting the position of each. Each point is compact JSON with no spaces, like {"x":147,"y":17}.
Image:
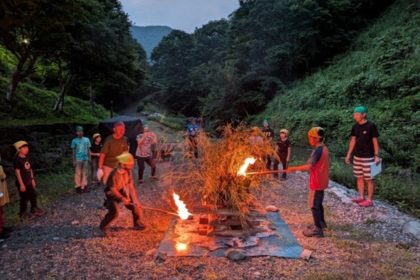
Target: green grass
{"x":32,"y":105}
{"x":382,"y":71}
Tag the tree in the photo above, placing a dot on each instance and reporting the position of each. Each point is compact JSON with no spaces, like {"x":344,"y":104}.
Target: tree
{"x":31,"y":29}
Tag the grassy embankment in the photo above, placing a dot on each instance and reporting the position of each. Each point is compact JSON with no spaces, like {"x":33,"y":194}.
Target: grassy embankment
{"x":381,"y":71}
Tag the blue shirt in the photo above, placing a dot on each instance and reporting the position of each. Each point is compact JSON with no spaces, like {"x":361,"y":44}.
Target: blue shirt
{"x":193,"y":129}
{"x":81,"y":147}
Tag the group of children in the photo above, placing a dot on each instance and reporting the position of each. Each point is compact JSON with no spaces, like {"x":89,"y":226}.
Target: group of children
{"x":120,"y":188}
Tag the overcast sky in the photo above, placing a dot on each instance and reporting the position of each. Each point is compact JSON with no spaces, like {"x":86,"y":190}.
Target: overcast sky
{"x":185,"y":15}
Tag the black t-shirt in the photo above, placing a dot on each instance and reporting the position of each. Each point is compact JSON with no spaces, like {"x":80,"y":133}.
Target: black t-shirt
{"x":268,"y":133}
{"x":25,"y":169}
{"x":364,"y":134}
{"x":96,"y":148}
{"x":283,"y":146}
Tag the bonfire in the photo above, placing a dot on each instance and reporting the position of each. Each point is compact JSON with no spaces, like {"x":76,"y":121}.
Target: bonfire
{"x":218,"y":178}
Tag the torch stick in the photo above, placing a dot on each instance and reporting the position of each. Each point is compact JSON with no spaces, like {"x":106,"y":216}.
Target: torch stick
{"x":266,"y":172}
{"x":160,"y":210}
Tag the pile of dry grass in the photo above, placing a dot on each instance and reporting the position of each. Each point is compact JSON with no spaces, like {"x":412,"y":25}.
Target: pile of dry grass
{"x":213,"y":179}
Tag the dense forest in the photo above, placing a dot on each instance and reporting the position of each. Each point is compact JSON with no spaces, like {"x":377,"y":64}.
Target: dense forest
{"x":78,"y":48}
{"x":305,"y":63}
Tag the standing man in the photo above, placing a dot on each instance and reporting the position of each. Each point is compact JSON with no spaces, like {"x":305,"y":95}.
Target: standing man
{"x":114,"y":146}
{"x":364,"y":147}
{"x":269,"y":135}
{"x":120,"y":189}
{"x":145,"y":153}
{"x":81,"y":156}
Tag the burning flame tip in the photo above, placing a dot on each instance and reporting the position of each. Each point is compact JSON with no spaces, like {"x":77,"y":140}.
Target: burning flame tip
{"x":244,"y":167}
{"x":182,"y":208}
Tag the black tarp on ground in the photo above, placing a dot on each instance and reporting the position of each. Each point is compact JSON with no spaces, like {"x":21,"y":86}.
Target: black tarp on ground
{"x":133,"y":126}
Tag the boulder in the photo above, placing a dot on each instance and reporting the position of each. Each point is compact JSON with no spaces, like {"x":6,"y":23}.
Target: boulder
{"x":235,"y":254}
{"x":413,"y":228}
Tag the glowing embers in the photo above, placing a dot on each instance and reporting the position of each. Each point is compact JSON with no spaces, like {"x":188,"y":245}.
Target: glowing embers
{"x":244,"y":167}
{"x":182,"y":208}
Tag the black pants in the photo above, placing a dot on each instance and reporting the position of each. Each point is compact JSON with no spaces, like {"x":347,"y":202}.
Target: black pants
{"x":268,"y":162}
{"x":29,"y":195}
{"x":283,"y":160}
{"x":193,"y":145}
{"x":150,"y":161}
{"x":318,"y":210}
{"x":113,"y":211}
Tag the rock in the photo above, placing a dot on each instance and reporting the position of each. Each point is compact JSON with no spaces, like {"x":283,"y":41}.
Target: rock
{"x":75,"y":222}
{"x":151,"y":252}
{"x":306,"y":254}
{"x":412,"y":228}
{"x":272,"y":208}
{"x":238,"y":243}
{"x":235,"y":254}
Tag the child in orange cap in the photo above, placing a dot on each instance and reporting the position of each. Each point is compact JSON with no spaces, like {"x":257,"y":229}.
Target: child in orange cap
{"x":318,"y":167}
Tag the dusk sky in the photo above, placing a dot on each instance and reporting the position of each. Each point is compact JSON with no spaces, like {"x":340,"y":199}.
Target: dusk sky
{"x":185,"y":15}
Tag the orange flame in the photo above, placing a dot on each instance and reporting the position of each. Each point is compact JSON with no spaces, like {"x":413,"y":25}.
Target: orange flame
{"x":244,"y":167}
{"x":181,"y":246}
{"x":182,"y":208}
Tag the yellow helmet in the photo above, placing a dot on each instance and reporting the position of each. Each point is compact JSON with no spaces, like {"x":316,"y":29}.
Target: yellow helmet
{"x":125,"y":158}
{"x":19,"y":144}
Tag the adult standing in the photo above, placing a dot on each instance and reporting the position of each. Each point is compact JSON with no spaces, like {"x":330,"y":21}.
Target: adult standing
{"x":364,"y":147}
{"x":145,"y":153}
{"x":193,"y":130}
{"x":114,"y":146}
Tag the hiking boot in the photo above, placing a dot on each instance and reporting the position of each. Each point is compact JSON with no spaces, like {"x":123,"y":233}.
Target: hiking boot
{"x":4,"y":235}
{"x":85,"y":190}
{"x":366,"y":203}
{"x":78,"y":190}
{"x":323,"y":225}
{"x":105,"y":232}
{"x":358,"y":199}
{"x":313,"y":231}
{"x":139,"y":226}
{"x":37,"y":212}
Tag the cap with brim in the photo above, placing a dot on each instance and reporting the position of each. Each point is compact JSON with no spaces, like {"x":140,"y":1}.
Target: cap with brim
{"x":125,"y":158}
{"x":314,"y":132}
{"x":96,"y":135}
{"x":265,"y":122}
{"x":79,"y":128}
{"x":360,"y":109}
{"x":285,"y":131}
{"x":19,"y":144}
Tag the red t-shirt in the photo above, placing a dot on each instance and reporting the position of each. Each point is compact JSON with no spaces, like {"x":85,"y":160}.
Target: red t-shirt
{"x":319,"y":175}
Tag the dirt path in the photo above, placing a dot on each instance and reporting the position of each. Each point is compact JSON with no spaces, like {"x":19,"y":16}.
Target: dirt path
{"x":66,"y":242}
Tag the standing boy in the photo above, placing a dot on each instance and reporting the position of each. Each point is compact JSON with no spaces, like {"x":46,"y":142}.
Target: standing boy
{"x":318,"y":167}
{"x":95,"y":152}
{"x":146,"y":146}
{"x":364,"y":147}
{"x":120,"y":188}
{"x":25,"y":181}
{"x":81,"y":156}
{"x":269,"y":136}
{"x":284,"y":152}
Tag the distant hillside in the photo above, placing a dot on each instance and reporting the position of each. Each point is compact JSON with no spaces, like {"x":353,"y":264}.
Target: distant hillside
{"x":149,"y":36}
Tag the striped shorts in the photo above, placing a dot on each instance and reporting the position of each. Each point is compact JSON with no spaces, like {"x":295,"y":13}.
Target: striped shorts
{"x":361,"y":167}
